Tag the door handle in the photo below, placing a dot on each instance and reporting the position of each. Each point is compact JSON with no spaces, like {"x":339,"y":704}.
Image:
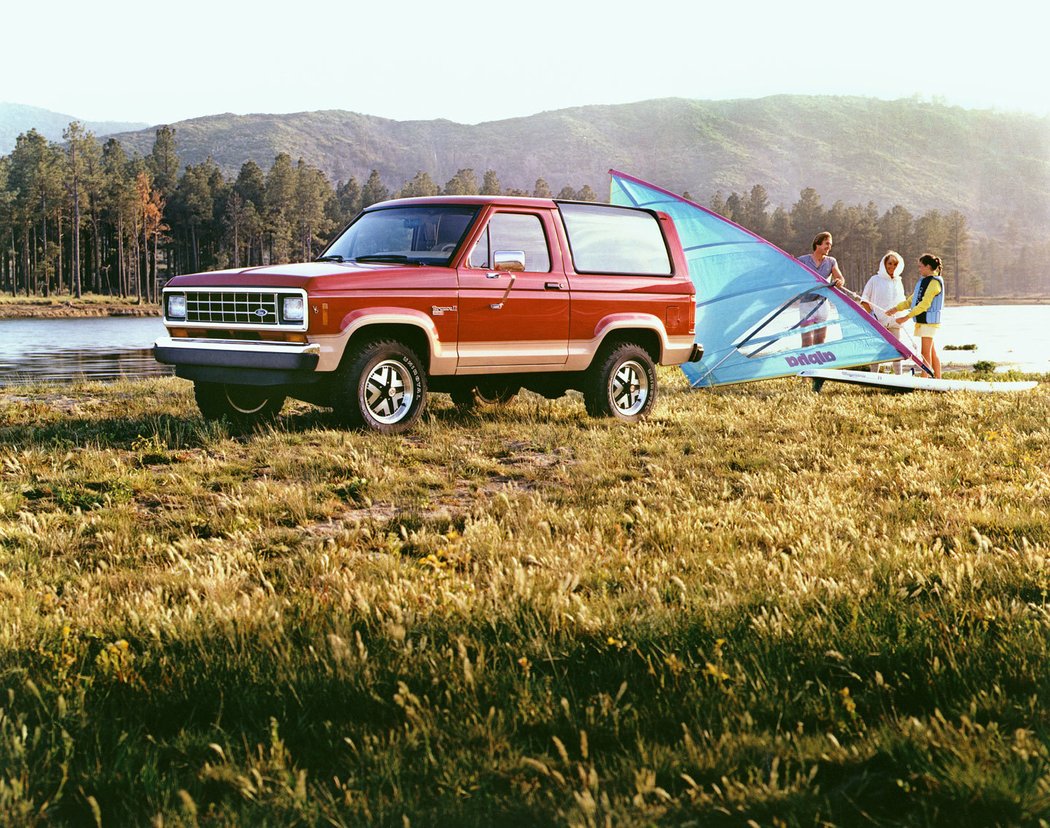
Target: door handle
{"x":553,"y":286}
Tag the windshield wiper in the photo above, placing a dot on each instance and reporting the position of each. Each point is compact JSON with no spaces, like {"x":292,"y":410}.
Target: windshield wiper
{"x":386,"y":257}
{"x":333,"y":258}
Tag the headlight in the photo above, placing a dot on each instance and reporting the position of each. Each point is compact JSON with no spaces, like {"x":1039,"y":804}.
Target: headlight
{"x":176,"y":306}
{"x":292,"y":310}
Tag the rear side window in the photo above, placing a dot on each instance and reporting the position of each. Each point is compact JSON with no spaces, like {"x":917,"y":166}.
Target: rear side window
{"x":513,"y":231}
{"x":607,"y":239}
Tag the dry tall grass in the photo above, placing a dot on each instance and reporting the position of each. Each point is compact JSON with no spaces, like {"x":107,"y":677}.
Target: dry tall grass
{"x":760,"y":605}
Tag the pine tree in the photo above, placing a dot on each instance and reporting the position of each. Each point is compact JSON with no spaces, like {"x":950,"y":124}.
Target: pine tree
{"x":250,"y":185}
{"x":781,"y":233}
{"x":490,"y":185}
{"x":464,"y":182}
{"x":957,"y":256}
{"x":542,"y":189}
{"x":931,"y":233}
{"x":895,"y":228}
{"x":585,"y":193}
{"x":280,"y":193}
{"x":77,"y":140}
{"x":734,"y":209}
{"x":373,"y":192}
{"x":868,"y":241}
{"x":35,"y":178}
{"x":234,"y":221}
{"x":7,"y":228}
{"x":250,"y":188}
{"x":808,"y":219}
{"x":93,"y":182}
{"x":196,"y":209}
{"x":163,"y":161}
{"x":312,"y":193}
{"x":118,"y":200}
{"x":347,"y":200}
{"x":756,"y":215}
{"x":421,"y":185}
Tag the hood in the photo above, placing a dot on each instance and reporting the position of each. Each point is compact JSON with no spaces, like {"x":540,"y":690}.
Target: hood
{"x":882,"y":265}
{"x":305,"y":269}
{"x":297,"y":274}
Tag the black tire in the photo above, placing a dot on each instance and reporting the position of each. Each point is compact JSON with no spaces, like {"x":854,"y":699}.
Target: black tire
{"x":621,"y":384}
{"x":381,"y":387}
{"x":242,"y":405}
{"x":490,"y":395}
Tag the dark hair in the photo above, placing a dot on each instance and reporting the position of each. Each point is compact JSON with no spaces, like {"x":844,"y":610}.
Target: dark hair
{"x":820,"y":238}
{"x":931,"y":261}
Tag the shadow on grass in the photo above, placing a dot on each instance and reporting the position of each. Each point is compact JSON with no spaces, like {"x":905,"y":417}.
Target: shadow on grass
{"x":175,"y":431}
{"x":109,"y":432}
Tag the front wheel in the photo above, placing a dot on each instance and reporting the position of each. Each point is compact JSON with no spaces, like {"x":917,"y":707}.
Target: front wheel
{"x":242,"y":405}
{"x":621,"y":384}
{"x":382,"y":387}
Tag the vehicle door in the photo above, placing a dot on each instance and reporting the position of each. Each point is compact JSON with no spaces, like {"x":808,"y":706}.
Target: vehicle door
{"x":513,"y":294}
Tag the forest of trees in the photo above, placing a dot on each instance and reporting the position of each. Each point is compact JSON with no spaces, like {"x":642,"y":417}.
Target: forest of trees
{"x":84,"y":216}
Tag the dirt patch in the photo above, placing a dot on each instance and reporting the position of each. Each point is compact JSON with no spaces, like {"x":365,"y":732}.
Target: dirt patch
{"x":53,"y":400}
{"x":521,"y":465}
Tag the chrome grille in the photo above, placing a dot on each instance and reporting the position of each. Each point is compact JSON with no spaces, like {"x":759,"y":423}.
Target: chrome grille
{"x":232,"y":308}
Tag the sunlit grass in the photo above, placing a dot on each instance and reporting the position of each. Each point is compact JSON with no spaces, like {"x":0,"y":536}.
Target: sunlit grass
{"x":66,"y":304}
{"x":761,"y":604}
{"x":60,"y":298}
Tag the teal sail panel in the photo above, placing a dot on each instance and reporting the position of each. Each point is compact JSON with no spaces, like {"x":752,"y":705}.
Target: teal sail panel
{"x":754,"y":301}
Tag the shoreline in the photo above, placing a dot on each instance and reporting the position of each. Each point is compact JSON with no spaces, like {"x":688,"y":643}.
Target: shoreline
{"x":976,"y":301}
{"x":71,"y":310}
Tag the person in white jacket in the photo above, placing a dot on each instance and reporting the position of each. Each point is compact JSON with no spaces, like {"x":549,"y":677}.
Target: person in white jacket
{"x":883,"y":292}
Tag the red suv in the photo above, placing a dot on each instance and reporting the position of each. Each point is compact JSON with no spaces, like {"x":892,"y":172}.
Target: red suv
{"x":475,"y":296}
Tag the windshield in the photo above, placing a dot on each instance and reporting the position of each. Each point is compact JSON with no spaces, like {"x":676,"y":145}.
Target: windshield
{"x":412,"y":234}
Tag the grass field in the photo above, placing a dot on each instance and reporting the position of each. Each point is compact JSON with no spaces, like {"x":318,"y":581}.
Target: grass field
{"x":761,"y":606}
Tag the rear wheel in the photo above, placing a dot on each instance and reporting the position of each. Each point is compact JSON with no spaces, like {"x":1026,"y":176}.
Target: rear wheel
{"x":382,"y":387}
{"x":621,"y":384}
{"x":243,"y":405}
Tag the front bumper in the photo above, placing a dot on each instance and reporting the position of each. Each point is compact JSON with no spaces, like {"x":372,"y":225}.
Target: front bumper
{"x":239,"y":362}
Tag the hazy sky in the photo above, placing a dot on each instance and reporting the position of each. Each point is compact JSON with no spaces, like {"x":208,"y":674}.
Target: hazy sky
{"x":479,"y":61}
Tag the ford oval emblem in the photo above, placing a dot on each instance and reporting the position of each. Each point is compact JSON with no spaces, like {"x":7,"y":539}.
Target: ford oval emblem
{"x":261,"y":312}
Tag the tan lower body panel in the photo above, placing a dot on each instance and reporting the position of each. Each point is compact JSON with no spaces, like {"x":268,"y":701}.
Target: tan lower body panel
{"x":506,"y":357}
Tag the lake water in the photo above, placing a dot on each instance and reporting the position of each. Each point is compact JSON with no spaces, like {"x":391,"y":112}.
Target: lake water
{"x":109,"y":348}
{"x":98,"y":348}
{"x":1012,"y":336}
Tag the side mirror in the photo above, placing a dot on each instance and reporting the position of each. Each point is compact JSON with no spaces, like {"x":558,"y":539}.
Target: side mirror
{"x":513,"y":260}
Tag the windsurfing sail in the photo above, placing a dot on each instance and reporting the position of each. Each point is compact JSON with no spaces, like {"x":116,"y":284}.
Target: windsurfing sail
{"x":755,"y":303}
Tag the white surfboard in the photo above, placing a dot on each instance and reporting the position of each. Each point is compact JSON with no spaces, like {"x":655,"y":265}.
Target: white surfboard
{"x":910,"y":382}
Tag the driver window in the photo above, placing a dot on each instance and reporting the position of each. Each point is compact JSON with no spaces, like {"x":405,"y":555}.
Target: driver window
{"x":513,"y":231}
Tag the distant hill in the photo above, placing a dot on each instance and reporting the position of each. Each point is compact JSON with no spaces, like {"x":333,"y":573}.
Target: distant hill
{"x":18,"y":118}
{"x":994,"y":167}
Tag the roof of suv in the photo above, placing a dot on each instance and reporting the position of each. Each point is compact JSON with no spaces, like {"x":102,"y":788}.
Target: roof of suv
{"x":509,"y":201}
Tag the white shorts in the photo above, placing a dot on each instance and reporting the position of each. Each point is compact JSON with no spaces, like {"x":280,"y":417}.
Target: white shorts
{"x":820,"y":314}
